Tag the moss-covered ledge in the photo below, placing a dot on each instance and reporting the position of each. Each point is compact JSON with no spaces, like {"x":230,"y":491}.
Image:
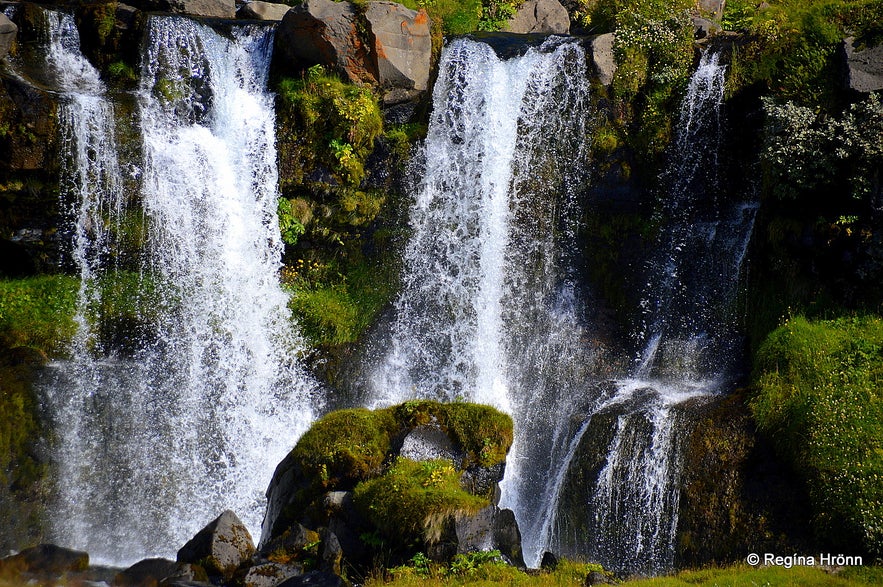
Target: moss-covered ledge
{"x":406,"y":471}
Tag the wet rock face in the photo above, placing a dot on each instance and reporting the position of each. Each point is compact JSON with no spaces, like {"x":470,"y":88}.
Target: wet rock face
{"x":736,"y":496}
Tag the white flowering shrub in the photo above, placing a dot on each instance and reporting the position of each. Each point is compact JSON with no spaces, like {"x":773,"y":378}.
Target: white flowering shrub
{"x":807,"y":154}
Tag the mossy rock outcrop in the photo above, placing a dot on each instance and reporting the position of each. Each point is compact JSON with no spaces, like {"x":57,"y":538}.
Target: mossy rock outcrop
{"x":402,"y":476}
{"x":736,"y":496}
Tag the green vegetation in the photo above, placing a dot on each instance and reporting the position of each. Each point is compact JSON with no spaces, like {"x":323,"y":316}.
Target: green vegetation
{"x":38,"y":312}
{"x":336,"y":302}
{"x":791,"y":44}
{"x":820,"y":399}
{"x":807,"y":155}
{"x":412,"y":501}
{"x":326,"y":211}
{"x":482,"y":568}
{"x":332,"y":123}
{"x":351,"y":449}
{"x":487,"y":571}
{"x":740,"y":575}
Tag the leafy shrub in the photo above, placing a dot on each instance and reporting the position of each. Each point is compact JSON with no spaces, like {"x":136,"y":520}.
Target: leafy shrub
{"x":808,"y":154}
{"x":819,"y":397}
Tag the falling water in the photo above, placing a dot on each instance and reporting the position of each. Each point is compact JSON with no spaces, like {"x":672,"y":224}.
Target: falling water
{"x":489,"y":310}
{"x":154,"y":445}
{"x":689,"y":344}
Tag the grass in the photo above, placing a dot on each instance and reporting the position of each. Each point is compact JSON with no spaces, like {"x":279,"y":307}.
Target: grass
{"x":569,"y":573}
{"x":820,"y":398}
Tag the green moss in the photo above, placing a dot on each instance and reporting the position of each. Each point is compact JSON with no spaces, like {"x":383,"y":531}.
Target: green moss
{"x":482,"y":432}
{"x":820,"y":399}
{"x":412,"y":501}
{"x":345,"y":447}
{"x":38,"y":312}
{"x":336,"y":303}
{"x":337,"y":123}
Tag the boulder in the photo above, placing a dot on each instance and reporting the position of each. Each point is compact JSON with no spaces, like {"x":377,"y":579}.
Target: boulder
{"x":221,"y":547}
{"x":270,"y":574}
{"x":603,"y":58}
{"x":714,"y":8}
{"x":864,"y":69}
{"x":146,"y":573}
{"x":8,"y":31}
{"x":343,"y":471}
{"x":324,"y":32}
{"x":258,"y":10}
{"x":314,"y":579}
{"x":401,"y":43}
{"x":48,"y":559}
{"x":547,"y":17}
{"x":206,"y":8}
{"x":704,"y":28}
{"x":490,"y":529}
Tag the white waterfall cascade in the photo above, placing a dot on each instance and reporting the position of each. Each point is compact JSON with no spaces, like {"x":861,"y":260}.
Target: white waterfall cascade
{"x":689,"y":343}
{"x":488,"y":311}
{"x":155,"y":445}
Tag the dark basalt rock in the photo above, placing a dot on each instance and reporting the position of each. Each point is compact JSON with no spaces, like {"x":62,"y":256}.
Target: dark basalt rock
{"x":148,"y":572}
{"x":48,"y":559}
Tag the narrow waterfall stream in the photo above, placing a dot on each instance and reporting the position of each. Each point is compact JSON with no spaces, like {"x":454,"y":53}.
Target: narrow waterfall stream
{"x":155,"y":444}
{"x":489,"y":310}
{"x":689,"y":345}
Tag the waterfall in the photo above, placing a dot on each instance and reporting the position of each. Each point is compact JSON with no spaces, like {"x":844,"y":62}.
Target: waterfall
{"x":154,"y":444}
{"x":689,"y":343}
{"x":489,"y":309}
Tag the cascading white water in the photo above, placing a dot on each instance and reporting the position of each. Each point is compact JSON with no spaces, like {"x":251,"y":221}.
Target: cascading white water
{"x":154,"y":446}
{"x":689,"y":342}
{"x":489,"y":311}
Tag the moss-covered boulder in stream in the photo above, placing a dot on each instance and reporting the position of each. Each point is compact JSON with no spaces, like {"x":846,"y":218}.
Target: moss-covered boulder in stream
{"x":408,"y":478}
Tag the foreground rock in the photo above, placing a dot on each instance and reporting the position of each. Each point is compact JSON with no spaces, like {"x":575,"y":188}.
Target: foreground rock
{"x":421,"y":476}
{"x":603,"y":59}
{"x":47,"y":559}
{"x":263,"y":10}
{"x":221,"y":547}
{"x":206,"y":8}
